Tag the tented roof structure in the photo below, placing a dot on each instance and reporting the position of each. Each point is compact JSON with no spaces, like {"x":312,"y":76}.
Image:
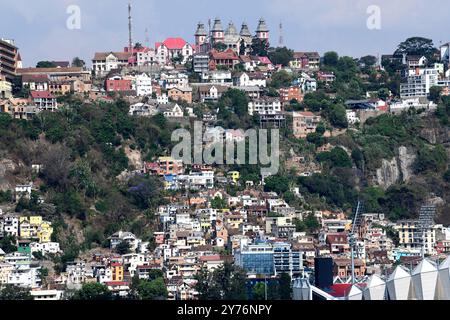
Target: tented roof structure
{"x":398,"y":284}
{"x":424,"y":279}
{"x":443,"y":283}
{"x":355,"y":293}
{"x":376,"y":288}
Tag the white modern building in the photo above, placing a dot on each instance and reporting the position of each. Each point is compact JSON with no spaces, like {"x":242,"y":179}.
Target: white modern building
{"x":418,"y":83}
{"x":143,"y":85}
{"x":264,"y":106}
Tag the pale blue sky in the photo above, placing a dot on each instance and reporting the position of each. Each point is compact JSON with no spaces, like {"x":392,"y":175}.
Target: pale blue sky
{"x":39,"y":27}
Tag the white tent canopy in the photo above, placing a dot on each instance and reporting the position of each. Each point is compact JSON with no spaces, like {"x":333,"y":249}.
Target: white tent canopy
{"x":398,"y":284}
{"x":376,"y":288}
{"x":424,"y":279}
{"x":443,"y":285}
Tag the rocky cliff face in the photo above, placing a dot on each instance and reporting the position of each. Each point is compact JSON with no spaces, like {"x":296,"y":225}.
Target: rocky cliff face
{"x":7,"y":168}
{"x":433,"y":132}
{"x":398,"y":169}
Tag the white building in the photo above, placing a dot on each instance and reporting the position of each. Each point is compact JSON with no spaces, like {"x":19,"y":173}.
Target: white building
{"x":352,"y":117}
{"x":171,"y":110}
{"x":217,"y":76}
{"x":418,"y":83}
{"x":246,"y":79}
{"x":143,"y":85}
{"x":45,"y":247}
{"x":173,"y":48}
{"x":142,"y":110}
{"x":104,"y":62}
{"x":47,"y":295}
{"x":174,"y":79}
{"x":445,"y":53}
{"x":264,"y":106}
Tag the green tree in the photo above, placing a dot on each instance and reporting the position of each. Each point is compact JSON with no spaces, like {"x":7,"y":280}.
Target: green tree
{"x":152,"y":290}
{"x":278,"y":184}
{"x":285,"y":287}
{"x":77,"y":62}
{"x":259,"y":291}
{"x":8,"y":244}
{"x":417,"y":46}
{"x":281,"y":56}
{"x":123,"y":248}
{"x":338,"y":116}
{"x":93,"y":291}
{"x":259,"y":47}
{"x":220,"y":46}
{"x":337,"y":157}
{"x":281,"y":79}
{"x":435,"y":94}
{"x":13,"y":293}
{"x":434,"y":159}
{"x":218,"y":203}
{"x":45,"y":64}
{"x":330,"y":59}
{"x":383,"y":94}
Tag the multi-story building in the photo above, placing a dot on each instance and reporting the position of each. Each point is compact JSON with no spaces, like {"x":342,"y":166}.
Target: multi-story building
{"x":174,"y":79}
{"x":269,"y":259}
{"x":411,"y":237}
{"x":5,"y":88}
{"x":143,"y":85}
{"x":44,"y":100}
{"x":58,"y":74}
{"x":104,"y":62}
{"x":304,"y":123}
{"x":264,"y":106}
{"x":211,"y":92}
{"x":227,"y":59}
{"x":180,"y":94}
{"x":173,"y":48}
{"x":217,"y":76}
{"x":201,"y":62}
{"x":118,"y":84}
{"x":289,"y":94}
{"x":305,"y":61}
{"x":165,"y":166}
{"x":8,"y":59}
{"x":418,"y":83}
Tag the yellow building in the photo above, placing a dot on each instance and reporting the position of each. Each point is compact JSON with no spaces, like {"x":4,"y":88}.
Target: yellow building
{"x":234,"y":175}
{"x":35,"y":227}
{"x":116,"y":272}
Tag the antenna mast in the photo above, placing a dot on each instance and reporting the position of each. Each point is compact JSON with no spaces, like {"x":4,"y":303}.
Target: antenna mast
{"x":352,"y":237}
{"x":130,"y":39}
{"x":147,"y":38}
{"x":281,"y":39}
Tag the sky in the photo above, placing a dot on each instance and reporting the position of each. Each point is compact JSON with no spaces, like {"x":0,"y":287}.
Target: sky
{"x":40,"y":30}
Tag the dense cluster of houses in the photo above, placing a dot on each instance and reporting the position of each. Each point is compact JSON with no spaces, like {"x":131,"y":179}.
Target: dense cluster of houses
{"x":254,"y":229}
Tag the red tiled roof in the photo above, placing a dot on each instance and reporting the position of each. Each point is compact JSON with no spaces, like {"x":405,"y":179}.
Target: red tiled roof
{"x":174,"y":43}
{"x":215,"y":257}
{"x":337,"y":238}
{"x":227,"y":54}
{"x":42,"y":95}
{"x":116,"y":283}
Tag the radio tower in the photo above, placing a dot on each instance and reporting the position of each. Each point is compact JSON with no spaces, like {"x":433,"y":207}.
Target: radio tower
{"x":130,"y":39}
{"x":147,"y":38}
{"x":281,"y":39}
